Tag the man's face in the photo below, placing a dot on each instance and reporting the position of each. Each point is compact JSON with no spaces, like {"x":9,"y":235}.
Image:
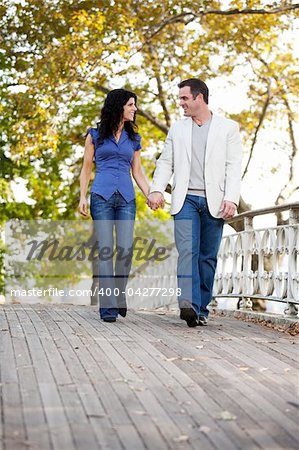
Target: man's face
{"x":190,"y":105}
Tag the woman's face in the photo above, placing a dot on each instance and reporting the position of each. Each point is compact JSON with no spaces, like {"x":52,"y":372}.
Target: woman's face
{"x":129,"y":110}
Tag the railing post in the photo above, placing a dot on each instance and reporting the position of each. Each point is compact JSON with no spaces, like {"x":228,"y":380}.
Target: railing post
{"x":213,"y":304}
{"x":246,"y":303}
{"x":291,"y":310}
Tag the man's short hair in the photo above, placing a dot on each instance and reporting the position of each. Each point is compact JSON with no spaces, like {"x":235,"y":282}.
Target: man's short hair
{"x":197,"y":86}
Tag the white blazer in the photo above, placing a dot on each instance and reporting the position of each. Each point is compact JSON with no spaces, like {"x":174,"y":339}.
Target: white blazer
{"x":222,"y":169}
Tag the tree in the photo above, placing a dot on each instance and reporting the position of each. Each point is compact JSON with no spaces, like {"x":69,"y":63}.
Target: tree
{"x":58,"y":60}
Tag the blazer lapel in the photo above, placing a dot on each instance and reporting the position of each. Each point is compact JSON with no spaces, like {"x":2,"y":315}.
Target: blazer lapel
{"x":213,"y":134}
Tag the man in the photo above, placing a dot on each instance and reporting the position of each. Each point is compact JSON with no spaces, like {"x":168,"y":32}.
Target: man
{"x":203,"y":153}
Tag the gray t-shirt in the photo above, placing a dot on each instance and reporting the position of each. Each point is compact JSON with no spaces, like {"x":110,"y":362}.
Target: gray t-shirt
{"x":199,"y":143}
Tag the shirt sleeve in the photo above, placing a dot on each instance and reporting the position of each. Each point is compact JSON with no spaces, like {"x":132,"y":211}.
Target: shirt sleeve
{"x":137,"y":143}
{"x":94,"y":135}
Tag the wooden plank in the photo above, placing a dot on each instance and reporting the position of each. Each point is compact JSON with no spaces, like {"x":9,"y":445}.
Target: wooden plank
{"x":281,"y":382}
{"x":148,"y":433}
{"x":184,"y":378}
{"x":247,"y":422}
{"x":54,"y":358}
{"x":263,"y":380}
{"x":227,"y":374}
{"x":13,"y":421}
{"x":119,"y":416}
{"x":207,"y":408}
{"x":265,"y":411}
{"x":59,"y":428}
{"x":281,"y":344}
{"x":129,"y":387}
{"x":8,"y":366}
{"x":14,"y":433}
{"x":144,"y":382}
{"x":82,"y":430}
{"x":34,"y":419}
{"x":3,"y":329}
{"x":261,"y":346}
{"x":86,"y":394}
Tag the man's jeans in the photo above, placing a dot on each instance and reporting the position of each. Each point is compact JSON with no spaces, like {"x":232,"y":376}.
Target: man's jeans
{"x":108,"y":215}
{"x":197,"y":237}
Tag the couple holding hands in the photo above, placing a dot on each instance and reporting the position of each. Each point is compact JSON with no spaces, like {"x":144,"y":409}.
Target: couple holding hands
{"x":203,"y":153}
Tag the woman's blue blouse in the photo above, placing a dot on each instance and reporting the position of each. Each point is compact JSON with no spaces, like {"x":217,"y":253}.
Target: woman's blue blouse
{"x":113,"y":165}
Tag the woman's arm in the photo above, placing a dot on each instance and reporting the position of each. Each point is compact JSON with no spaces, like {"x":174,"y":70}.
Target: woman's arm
{"x":85,"y":174}
{"x":138,"y":174}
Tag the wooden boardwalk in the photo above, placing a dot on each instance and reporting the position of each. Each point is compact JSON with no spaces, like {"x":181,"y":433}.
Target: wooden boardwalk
{"x":70,"y":381}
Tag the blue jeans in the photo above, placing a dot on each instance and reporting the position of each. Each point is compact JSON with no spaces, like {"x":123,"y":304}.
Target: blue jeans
{"x":114,"y":263}
{"x":197,"y":237}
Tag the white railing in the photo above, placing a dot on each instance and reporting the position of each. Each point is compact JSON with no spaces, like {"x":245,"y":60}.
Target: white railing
{"x":261,"y":263}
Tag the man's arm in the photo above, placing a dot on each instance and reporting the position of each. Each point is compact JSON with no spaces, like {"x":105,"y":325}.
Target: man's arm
{"x":233,"y":173}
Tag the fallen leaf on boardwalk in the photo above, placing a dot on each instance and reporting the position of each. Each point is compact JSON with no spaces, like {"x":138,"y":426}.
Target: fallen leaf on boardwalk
{"x":188,"y":359}
{"x":137,"y":389}
{"x":139,"y":413}
{"x":204,"y":429}
{"x":199,"y":346}
{"x":182,"y":438}
{"x":136,"y":366}
{"x":226,"y":415}
{"x":244,"y":368}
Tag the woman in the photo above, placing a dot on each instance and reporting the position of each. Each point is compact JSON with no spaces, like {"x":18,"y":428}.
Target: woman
{"x":115,"y":146}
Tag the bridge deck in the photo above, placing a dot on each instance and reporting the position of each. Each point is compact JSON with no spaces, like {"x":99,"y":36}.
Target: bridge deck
{"x":70,"y":381}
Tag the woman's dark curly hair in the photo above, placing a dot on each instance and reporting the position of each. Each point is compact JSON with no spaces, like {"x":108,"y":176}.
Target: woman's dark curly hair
{"x":112,"y":113}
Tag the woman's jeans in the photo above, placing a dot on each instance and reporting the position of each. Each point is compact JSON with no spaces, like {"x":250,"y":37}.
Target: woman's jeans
{"x":114,"y":263}
{"x":197,"y":237}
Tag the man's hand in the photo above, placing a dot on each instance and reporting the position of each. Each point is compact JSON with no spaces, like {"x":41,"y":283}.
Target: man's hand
{"x":155,"y":200}
{"x":228,"y":209}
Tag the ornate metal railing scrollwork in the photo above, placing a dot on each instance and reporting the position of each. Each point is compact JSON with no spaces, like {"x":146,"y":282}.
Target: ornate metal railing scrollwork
{"x":261,"y":263}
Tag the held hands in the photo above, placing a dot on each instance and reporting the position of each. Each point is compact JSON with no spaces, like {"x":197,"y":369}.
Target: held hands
{"x":155,"y":200}
{"x":228,"y":209}
{"x":83,"y":206}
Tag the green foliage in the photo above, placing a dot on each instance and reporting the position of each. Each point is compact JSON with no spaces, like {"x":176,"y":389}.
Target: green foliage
{"x":56,"y":58}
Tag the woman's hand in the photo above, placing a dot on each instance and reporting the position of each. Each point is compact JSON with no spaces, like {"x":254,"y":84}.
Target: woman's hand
{"x":155,"y":200}
{"x":83,"y":206}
